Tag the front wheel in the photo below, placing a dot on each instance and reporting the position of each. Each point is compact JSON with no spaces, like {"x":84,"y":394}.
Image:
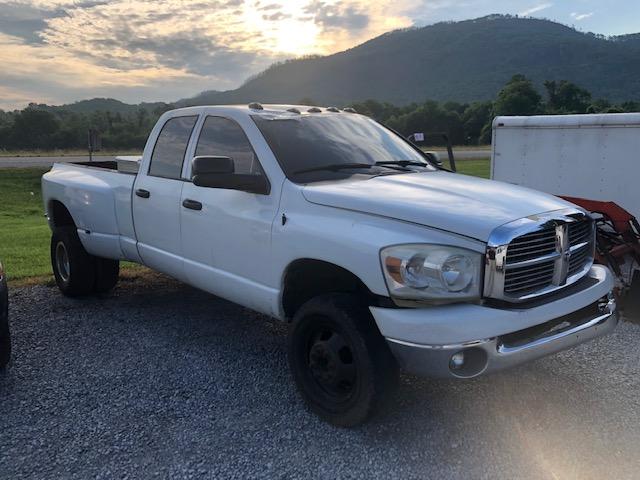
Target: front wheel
{"x":341,"y":364}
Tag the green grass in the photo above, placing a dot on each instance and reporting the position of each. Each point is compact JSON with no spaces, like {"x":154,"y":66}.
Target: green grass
{"x":24,"y":233}
{"x":477,"y":168}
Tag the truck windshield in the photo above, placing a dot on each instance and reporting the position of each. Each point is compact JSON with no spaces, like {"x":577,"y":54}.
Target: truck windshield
{"x":320,"y":147}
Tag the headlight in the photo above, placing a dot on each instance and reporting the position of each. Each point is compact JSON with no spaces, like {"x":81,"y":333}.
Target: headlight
{"x":435,"y":273}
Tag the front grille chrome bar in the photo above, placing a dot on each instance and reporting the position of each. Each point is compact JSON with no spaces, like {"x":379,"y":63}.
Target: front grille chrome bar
{"x":548,"y":252}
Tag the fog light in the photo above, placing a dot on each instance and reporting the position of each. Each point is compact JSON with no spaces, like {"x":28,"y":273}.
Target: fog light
{"x":457,"y":361}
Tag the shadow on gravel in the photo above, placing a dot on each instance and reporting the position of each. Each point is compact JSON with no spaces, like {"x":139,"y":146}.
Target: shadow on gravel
{"x":159,"y":379}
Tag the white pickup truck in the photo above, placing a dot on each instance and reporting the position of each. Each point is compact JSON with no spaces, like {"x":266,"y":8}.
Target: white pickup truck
{"x":325,"y":218}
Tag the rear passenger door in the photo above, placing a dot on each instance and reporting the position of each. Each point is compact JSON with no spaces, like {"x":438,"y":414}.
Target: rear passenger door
{"x":226,"y":238}
{"x":156,"y":198}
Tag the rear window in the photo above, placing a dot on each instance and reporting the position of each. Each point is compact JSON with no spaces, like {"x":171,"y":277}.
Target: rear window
{"x":171,"y":146}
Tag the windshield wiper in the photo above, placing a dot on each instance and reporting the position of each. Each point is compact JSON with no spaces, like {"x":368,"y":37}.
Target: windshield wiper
{"x":336,"y":167}
{"x":403,"y":163}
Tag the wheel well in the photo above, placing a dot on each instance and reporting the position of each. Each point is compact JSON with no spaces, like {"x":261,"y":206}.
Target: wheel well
{"x":308,"y":278}
{"x":60,"y":216}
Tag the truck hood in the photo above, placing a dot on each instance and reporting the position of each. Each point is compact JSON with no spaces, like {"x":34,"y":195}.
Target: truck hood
{"x":461,"y":204}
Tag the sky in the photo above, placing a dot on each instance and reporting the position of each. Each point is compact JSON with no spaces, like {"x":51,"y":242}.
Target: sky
{"x":60,"y":51}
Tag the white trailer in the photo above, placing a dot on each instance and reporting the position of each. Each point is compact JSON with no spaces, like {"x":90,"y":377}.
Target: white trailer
{"x":588,"y":156}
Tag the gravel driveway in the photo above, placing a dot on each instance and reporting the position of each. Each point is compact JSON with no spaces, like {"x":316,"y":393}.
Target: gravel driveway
{"x":160,"y":380}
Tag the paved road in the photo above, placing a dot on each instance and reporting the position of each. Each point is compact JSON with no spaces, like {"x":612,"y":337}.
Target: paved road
{"x":158,"y":379}
{"x":28,"y":162}
{"x":24,"y":162}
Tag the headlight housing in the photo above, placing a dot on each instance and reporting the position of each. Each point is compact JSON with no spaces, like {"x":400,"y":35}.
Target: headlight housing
{"x":433,"y":273}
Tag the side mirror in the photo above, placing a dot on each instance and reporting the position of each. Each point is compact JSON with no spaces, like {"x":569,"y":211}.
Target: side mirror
{"x":209,"y":164}
{"x":434,"y":157}
{"x":218,"y":172}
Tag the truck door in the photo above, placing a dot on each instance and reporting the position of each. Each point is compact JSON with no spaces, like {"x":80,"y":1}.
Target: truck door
{"x":226,"y":234}
{"x":156,"y":198}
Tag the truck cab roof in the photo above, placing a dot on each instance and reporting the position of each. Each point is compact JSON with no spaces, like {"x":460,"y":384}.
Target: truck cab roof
{"x":267,"y":110}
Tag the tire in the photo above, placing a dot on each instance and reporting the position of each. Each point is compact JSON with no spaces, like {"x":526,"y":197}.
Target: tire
{"x":77,"y":272}
{"x":5,"y":336}
{"x":5,"y":346}
{"x":107,"y":273}
{"x":340,"y":362}
{"x":74,"y":269}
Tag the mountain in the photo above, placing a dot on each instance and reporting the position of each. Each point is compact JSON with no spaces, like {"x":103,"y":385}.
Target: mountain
{"x":462,"y":61}
{"x":103,"y":105}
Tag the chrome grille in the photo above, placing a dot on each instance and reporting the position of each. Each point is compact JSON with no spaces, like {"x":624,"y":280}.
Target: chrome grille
{"x":532,"y":245}
{"x":535,"y":256}
{"x":523,"y":279}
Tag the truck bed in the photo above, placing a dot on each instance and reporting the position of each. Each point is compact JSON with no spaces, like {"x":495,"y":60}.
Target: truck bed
{"x":125,"y":164}
{"x":98,"y":198}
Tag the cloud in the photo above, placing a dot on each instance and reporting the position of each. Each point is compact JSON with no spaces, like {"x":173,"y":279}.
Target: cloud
{"x":338,"y":15}
{"x":581,"y":16}
{"x":166,"y":49}
{"x":535,"y":9}
{"x":25,"y":21}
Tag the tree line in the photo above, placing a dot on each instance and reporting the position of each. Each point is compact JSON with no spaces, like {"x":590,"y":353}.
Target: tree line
{"x":40,"y":127}
{"x":470,"y":124}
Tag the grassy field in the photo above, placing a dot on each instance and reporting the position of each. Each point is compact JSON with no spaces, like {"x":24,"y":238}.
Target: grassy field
{"x":477,"y":168}
{"x":24,"y":234}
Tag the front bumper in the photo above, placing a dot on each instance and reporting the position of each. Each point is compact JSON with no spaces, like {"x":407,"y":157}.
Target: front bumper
{"x":491,"y":339}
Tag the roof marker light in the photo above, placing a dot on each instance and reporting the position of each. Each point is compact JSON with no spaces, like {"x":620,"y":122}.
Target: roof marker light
{"x":349,"y":110}
{"x":333,"y":109}
{"x":314,"y":110}
{"x":255,"y":106}
{"x":293,"y":110}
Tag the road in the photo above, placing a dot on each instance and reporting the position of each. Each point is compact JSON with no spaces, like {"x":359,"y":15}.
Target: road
{"x":159,"y":380}
{"x":44,"y":162}
{"x":26,"y":162}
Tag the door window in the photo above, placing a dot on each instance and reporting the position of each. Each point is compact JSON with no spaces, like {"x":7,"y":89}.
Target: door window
{"x":222,"y":137}
{"x":171,"y":146}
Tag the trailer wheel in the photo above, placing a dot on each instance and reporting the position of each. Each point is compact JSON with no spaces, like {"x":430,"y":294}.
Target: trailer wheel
{"x":341,"y":364}
{"x":74,"y":269}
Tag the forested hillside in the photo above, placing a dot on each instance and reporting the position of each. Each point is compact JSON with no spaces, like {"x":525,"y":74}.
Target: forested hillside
{"x":463,"y":61}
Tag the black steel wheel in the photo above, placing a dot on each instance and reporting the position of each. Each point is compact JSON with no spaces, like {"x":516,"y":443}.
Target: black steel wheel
{"x":331,"y":361}
{"x":342,"y":366}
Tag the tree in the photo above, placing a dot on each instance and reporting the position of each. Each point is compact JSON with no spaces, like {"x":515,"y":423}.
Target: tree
{"x":518,"y":97}
{"x":474,"y":119}
{"x":566,"y":97}
{"x":33,"y":128}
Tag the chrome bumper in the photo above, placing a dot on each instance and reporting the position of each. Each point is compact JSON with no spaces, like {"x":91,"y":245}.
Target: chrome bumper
{"x":470,"y":359}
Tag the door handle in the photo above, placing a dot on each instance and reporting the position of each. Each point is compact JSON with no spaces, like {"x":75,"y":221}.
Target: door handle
{"x":143,"y":193}
{"x":192,"y":204}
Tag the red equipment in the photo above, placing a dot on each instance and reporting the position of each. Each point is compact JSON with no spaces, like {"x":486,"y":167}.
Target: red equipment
{"x":617,"y":239}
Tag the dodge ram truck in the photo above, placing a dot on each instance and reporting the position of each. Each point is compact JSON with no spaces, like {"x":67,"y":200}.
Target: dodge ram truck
{"x":324,"y":218}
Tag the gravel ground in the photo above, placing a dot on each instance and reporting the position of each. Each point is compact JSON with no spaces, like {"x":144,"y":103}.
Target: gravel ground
{"x":160,"y":380}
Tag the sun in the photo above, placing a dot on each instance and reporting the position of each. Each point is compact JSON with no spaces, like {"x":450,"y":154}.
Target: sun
{"x":286,"y":30}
